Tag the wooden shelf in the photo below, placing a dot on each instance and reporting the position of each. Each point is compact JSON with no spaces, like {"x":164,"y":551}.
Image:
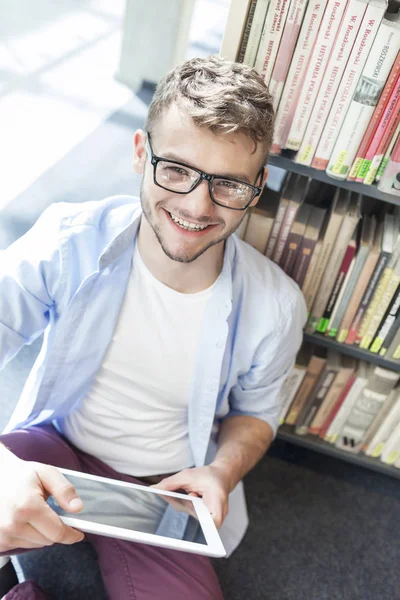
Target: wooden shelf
{"x":355,"y":351}
{"x":368,"y":190}
{"x":312,"y":442}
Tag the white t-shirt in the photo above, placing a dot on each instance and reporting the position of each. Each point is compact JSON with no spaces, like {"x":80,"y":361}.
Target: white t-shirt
{"x":135,"y":417}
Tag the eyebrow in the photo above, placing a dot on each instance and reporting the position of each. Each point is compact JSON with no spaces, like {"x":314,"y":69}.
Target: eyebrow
{"x":239,"y":176}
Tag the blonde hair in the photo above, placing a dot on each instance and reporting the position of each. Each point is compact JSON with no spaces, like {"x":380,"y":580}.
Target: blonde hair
{"x":220,"y":95}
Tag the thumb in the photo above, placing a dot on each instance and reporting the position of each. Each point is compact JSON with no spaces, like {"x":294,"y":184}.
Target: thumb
{"x":214,"y":506}
{"x":58,"y":486}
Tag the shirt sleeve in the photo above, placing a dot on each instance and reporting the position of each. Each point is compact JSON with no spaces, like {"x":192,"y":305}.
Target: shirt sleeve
{"x":29,"y":277}
{"x":257,"y":392}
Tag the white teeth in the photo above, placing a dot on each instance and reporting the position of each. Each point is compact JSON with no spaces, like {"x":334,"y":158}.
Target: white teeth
{"x":186,"y":224}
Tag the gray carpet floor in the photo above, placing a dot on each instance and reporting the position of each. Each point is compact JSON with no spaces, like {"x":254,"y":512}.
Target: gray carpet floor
{"x":320,"y":529}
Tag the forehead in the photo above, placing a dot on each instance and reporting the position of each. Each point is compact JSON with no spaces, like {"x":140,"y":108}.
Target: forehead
{"x":176,"y":136}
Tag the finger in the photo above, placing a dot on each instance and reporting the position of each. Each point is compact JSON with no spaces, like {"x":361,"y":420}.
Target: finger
{"x":49,"y":524}
{"x":17,"y":543}
{"x":60,"y":488}
{"x":28,"y":533}
{"x":215,"y":507}
{"x":175,"y":482}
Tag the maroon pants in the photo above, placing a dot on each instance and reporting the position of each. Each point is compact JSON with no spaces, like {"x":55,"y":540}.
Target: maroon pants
{"x":130,"y":571}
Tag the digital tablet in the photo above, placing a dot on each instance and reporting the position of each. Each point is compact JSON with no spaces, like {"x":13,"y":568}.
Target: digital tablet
{"x":135,"y":512}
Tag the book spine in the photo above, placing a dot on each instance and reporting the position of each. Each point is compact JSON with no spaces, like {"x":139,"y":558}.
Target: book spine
{"x":291,"y":90}
{"x":380,"y":267}
{"x":345,"y":40}
{"x":343,"y":270}
{"x":387,"y":322}
{"x":307,"y":415}
{"x":235,"y":25}
{"x":311,"y":377}
{"x":373,"y":305}
{"x":375,"y":73}
{"x":275,"y":229}
{"x":390,"y":181}
{"x":303,"y":260}
{"x":344,"y":410}
{"x":270,"y":38}
{"x":336,"y":408}
{"x":318,"y":61}
{"x":387,"y":135}
{"x":290,"y":390}
{"x":289,"y":253}
{"x":391,"y":334}
{"x":338,"y":386}
{"x":308,"y":288}
{"x":247,"y":30}
{"x":375,"y":119}
{"x":260,"y":12}
{"x":288,"y":220}
{"x":351,"y":76}
{"x":339,"y":308}
{"x":286,"y":48}
{"x":388,"y":154}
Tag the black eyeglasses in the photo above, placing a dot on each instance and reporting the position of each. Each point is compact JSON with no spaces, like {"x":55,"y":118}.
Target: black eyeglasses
{"x":181,"y":179}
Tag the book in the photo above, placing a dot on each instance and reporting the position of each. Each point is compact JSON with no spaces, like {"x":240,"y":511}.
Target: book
{"x":271,"y":37}
{"x":294,"y":238}
{"x":391,"y":449}
{"x":316,"y":295}
{"x":393,"y":352}
{"x":314,"y":370}
{"x":280,"y":213}
{"x":389,"y":326}
{"x":298,"y":190}
{"x":315,"y":71}
{"x":388,"y":153}
{"x":234,"y":29}
{"x":247,"y":31}
{"x":345,"y":39}
{"x":293,"y":382}
{"x":352,"y":73}
{"x":318,"y":394}
{"x":384,"y":257}
{"x":298,"y":67}
{"x":286,"y":49}
{"x":345,"y":404}
{"x":343,"y":375}
{"x":257,"y":25}
{"x":378,"y":420}
{"x":258,"y":229}
{"x":307,"y":245}
{"x":384,"y":291}
{"x":373,"y":123}
{"x":382,"y":138}
{"x":345,"y":269}
{"x":355,"y":274}
{"x":390,"y":180}
{"x":362,"y":284}
{"x":368,"y":404}
{"x":376,"y":444}
{"x":377,"y":68}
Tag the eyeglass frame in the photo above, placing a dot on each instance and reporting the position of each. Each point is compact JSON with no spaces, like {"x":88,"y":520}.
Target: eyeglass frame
{"x":154,"y":159}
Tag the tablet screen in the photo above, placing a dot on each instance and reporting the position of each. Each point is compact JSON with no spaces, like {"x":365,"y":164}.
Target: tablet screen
{"x":123,"y":506}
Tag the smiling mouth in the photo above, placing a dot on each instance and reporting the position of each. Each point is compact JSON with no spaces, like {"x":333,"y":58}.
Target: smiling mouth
{"x":187,"y":225}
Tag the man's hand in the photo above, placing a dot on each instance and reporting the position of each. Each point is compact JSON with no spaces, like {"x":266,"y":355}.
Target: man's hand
{"x":207,"y":482}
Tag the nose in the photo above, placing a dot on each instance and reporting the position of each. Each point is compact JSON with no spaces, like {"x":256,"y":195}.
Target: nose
{"x":199,"y":204}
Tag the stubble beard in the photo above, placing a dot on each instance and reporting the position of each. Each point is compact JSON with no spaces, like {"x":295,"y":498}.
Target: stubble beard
{"x":182,"y":258}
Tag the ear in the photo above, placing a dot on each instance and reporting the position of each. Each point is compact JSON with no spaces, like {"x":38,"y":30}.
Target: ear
{"x":139,"y":151}
{"x":262,"y":184}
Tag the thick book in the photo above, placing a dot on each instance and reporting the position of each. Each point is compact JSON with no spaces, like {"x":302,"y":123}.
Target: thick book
{"x":393,"y":352}
{"x":352,"y":73}
{"x":293,"y":381}
{"x":384,"y":291}
{"x":345,"y":39}
{"x":234,"y":29}
{"x":365,"y":243}
{"x":377,"y":443}
{"x":384,"y":257}
{"x":343,"y":374}
{"x":345,"y":268}
{"x":315,"y":368}
{"x":271,"y":37}
{"x":319,"y":393}
{"x":298,"y":68}
{"x":297,"y":195}
{"x":315,"y":71}
{"x":376,"y":424}
{"x":367,"y":406}
{"x":307,"y":245}
{"x":295,"y":238}
{"x":374,"y":121}
{"x":247,"y":30}
{"x":258,"y":229}
{"x":286,"y":49}
{"x":375,"y":73}
{"x":346,"y":406}
{"x":336,"y":218}
{"x":257,"y":25}
{"x":382,"y":138}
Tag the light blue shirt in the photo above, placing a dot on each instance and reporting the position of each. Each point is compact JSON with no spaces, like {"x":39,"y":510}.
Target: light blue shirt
{"x":67,"y":277}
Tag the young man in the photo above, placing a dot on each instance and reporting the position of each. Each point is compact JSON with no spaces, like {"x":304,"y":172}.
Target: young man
{"x":167,"y":339}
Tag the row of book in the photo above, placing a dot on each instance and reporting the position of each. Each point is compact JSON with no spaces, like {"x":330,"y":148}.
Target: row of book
{"x":345,"y":258}
{"x":333,"y":69}
{"x":348,"y":403}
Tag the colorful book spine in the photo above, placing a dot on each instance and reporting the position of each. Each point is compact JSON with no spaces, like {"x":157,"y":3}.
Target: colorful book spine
{"x":374,"y":76}
{"x":375,"y":119}
{"x":286,"y":48}
{"x":352,"y":73}
{"x":298,"y":67}
{"x":344,"y":43}
{"x":271,"y":37}
{"x":315,"y":72}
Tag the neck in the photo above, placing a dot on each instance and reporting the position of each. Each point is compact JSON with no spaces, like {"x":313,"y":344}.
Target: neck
{"x":187,"y":278}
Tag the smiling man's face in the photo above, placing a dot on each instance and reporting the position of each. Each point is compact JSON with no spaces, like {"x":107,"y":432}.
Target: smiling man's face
{"x":177,"y":138}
